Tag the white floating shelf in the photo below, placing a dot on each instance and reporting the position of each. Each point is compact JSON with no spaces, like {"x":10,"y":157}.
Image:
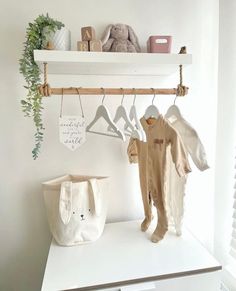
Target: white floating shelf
{"x":106,"y":63}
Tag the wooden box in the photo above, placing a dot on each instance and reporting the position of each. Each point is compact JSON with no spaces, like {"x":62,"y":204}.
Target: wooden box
{"x":95,"y":45}
{"x":82,"y":46}
{"x":87,"y":33}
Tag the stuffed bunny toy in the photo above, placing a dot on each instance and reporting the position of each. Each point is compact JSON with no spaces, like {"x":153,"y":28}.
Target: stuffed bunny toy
{"x":120,"y":38}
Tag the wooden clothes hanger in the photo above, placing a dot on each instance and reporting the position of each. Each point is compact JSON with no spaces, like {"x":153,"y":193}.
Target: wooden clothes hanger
{"x":152,"y":111}
{"x":103,"y":112}
{"x":121,"y":113}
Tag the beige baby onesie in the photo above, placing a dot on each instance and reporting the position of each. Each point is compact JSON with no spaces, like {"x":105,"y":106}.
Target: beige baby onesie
{"x":151,"y":157}
{"x":175,"y":189}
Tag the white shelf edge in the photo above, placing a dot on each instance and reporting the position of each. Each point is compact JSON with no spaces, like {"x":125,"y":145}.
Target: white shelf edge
{"x":101,"y":57}
{"x":108,"y":63}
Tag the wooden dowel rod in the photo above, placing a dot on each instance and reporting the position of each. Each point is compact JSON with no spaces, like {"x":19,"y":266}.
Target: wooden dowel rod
{"x":112,"y":91}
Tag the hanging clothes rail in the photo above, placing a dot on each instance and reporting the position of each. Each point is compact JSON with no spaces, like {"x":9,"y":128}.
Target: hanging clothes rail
{"x":181,"y":90}
{"x":112,"y":91}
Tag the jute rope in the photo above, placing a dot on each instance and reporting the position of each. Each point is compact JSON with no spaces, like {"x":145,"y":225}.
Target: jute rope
{"x":45,"y":89}
{"x":181,"y":89}
{"x":45,"y":72}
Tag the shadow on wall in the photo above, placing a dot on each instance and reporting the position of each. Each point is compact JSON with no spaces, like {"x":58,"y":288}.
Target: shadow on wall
{"x":24,"y":267}
{"x":26,"y":238}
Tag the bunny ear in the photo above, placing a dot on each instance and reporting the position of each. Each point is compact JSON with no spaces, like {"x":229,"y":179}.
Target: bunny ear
{"x":106,"y":34}
{"x":133,"y":38}
{"x":65,"y":202}
{"x":96,"y":201}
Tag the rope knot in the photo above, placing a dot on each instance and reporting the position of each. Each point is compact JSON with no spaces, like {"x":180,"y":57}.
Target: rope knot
{"x":45,"y":90}
{"x":181,"y":90}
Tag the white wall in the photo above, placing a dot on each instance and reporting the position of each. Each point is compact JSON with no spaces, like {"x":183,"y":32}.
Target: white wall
{"x":226,"y":141}
{"x":226,"y":130}
{"x":25,"y":236}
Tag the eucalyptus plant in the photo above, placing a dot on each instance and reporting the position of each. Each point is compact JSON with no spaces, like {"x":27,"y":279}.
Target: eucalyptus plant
{"x":38,"y":34}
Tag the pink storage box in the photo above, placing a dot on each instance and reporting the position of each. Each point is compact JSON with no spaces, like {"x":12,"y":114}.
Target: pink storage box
{"x":159,"y":44}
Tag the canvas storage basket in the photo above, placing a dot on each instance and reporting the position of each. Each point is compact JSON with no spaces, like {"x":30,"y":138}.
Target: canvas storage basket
{"x":76,"y":208}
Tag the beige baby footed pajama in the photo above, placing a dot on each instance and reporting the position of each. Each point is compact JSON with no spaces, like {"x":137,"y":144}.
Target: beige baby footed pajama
{"x":151,"y":157}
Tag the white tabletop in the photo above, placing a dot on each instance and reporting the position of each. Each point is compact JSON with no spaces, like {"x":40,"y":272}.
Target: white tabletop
{"x":125,"y":255}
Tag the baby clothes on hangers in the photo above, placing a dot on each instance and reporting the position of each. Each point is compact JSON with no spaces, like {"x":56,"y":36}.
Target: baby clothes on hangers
{"x":175,"y":189}
{"x":151,"y":157}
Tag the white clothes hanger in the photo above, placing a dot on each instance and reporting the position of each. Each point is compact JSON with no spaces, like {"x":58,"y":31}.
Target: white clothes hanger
{"x":134,"y":116}
{"x":121,"y":113}
{"x":173,"y":111}
{"x":152,"y":111}
{"x":103,"y":112}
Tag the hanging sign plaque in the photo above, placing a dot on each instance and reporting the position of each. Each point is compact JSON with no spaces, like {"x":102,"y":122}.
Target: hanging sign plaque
{"x":72,"y":131}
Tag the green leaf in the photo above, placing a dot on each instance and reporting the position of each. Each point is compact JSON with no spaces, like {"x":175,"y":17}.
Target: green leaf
{"x":32,"y":104}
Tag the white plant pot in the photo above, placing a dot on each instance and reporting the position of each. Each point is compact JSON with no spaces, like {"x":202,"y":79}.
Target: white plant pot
{"x":61,"y":40}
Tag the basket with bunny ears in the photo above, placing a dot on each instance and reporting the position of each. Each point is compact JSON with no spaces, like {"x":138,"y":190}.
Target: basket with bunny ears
{"x":120,"y":38}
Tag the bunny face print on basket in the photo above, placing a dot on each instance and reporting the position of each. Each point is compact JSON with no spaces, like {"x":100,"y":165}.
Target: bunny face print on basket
{"x":83,"y":208}
{"x":80,"y":211}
